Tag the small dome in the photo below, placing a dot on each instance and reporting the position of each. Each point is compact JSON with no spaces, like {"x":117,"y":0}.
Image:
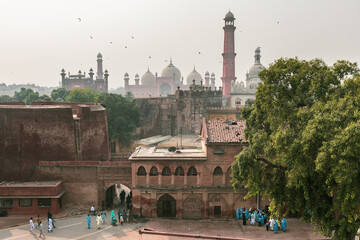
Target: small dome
{"x":194,"y":75}
{"x":169,"y":72}
{"x":148,"y":78}
{"x":255,"y":70}
{"x":126,"y":74}
{"x":91,"y":70}
{"x":207,"y":73}
{"x":213,"y":75}
{"x":229,"y":15}
{"x":99,"y":55}
{"x":136,"y":75}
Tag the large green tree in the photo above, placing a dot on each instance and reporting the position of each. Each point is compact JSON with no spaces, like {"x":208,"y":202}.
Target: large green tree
{"x":26,"y":95}
{"x":123,"y":116}
{"x":59,"y":94}
{"x":303,"y":132}
{"x":82,"y":95}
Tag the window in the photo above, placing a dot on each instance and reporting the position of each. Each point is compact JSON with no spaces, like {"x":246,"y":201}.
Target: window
{"x":179,"y":171}
{"x":192,"y":172}
{"x":238,"y":101}
{"x":154,"y":171}
{"x":166,"y":171}
{"x":141,"y":171}
{"x":26,"y":202}
{"x":218,"y":151}
{"x":44,"y":202}
{"x":218,"y":171}
{"x":6,"y":203}
{"x":217,"y":211}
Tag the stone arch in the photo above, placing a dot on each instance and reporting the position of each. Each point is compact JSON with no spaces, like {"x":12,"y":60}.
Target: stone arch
{"x":192,"y":176}
{"x":228,"y":177}
{"x":165,"y":89}
{"x":192,"y":207}
{"x":241,"y":202}
{"x":141,"y":171}
{"x":166,"y":176}
{"x":218,"y":206}
{"x":179,"y":176}
{"x":153,"y":175}
{"x":218,"y":176}
{"x":166,"y":206}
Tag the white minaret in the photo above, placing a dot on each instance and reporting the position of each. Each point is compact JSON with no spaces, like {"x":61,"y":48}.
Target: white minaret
{"x":100,"y":74}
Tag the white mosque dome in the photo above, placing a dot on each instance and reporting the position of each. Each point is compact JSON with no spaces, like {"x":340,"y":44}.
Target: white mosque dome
{"x":194,"y":75}
{"x":255,"y":70}
{"x":148,"y":78}
{"x":169,"y":72}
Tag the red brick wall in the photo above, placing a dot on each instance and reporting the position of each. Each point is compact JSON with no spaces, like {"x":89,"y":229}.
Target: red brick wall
{"x":31,"y":191}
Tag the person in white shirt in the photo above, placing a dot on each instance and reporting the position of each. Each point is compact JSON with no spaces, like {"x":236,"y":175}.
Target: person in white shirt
{"x":32,"y":227}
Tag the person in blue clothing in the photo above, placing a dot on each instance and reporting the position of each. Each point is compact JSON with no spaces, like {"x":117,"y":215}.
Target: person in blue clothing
{"x":88,"y":220}
{"x":276,"y":227}
{"x":241,"y":213}
{"x":283,"y":224}
{"x":246,"y":214}
{"x":237,"y":214}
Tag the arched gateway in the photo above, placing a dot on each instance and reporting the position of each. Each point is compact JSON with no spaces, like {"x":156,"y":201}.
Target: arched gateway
{"x":166,"y":206}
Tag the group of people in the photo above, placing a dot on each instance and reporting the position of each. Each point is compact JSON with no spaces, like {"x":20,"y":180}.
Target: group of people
{"x":123,"y":217}
{"x":259,"y":217}
{"x":39,"y":225}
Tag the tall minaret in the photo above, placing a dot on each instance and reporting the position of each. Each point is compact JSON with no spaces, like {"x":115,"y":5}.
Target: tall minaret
{"x":228,"y":55}
{"x":100,"y":74}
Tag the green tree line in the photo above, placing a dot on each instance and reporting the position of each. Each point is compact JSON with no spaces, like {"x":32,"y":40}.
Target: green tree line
{"x":122,"y":113}
{"x":304,"y":143}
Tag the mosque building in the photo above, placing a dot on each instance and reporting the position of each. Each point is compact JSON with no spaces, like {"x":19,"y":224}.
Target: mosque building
{"x":80,"y":80}
{"x":167,"y":82}
{"x":243,"y":94}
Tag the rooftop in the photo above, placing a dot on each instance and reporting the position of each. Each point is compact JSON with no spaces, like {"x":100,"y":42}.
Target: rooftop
{"x":30,"y":184}
{"x":220,"y":131}
{"x":158,"y":154}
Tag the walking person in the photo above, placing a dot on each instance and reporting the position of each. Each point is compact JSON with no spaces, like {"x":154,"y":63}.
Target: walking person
{"x":50,"y":228}
{"x":88,"y":220}
{"x":32,"y":227}
{"x":283,"y":224}
{"x":38,"y":220}
{"x":92,"y":209}
{"x":103,"y":214}
{"x":121,"y":219}
{"x":51,"y":217}
{"x":98,"y":221}
{"x":276,"y":227}
{"x":119,"y":213}
{"x":41,"y":230}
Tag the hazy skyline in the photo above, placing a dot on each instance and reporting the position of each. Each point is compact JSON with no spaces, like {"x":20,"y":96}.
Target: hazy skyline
{"x":41,"y":37}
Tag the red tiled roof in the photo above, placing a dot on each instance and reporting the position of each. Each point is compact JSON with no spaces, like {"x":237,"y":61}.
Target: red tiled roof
{"x":220,"y":131}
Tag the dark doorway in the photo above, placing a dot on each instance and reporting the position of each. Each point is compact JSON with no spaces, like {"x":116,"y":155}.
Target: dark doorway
{"x":217,"y":211}
{"x":166,"y":206}
{"x":118,"y":196}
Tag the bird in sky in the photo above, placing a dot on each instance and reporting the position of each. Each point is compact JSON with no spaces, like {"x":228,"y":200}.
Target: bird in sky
{"x":125,"y":46}
{"x":110,"y":42}
{"x":79,"y":19}
{"x":132,"y":37}
{"x":199,"y":52}
{"x":277,"y":22}
{"x":149,"y":56}
{"x":91,"y":37}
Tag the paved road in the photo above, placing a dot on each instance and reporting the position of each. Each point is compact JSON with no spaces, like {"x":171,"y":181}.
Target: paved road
{"x":72,"y":228}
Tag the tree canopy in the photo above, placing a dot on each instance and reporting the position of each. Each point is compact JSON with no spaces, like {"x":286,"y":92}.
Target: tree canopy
{"x":304,"y":143}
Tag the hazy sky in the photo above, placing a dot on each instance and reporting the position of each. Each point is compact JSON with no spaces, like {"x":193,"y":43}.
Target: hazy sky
{"x":40,"y":37}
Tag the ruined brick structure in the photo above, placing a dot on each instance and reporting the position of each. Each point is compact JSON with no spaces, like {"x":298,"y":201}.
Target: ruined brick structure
{"x":178,"y":113}
{"x":191,"y":182}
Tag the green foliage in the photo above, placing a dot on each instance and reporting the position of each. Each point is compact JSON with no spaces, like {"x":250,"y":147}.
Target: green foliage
{"x":6,"y":98}
{"x":304,"y":143}
{"x":82,"y":95}
{"x":59,"y":95}
{"x":26,"y":95}
{"x":129,"y":96}
{"x":123,"y":116}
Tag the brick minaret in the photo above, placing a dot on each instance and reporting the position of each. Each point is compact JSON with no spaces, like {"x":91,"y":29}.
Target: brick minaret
{"x":228,"y":55}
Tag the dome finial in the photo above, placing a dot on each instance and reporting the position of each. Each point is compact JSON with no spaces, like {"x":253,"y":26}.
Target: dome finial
{"x":257,"y":55}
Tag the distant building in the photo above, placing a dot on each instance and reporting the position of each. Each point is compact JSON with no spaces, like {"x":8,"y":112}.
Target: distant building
{"x":167,"y":83}
{"x":11,"y":89}
{"x":99,"y":84}
{"x":241,"y":93}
